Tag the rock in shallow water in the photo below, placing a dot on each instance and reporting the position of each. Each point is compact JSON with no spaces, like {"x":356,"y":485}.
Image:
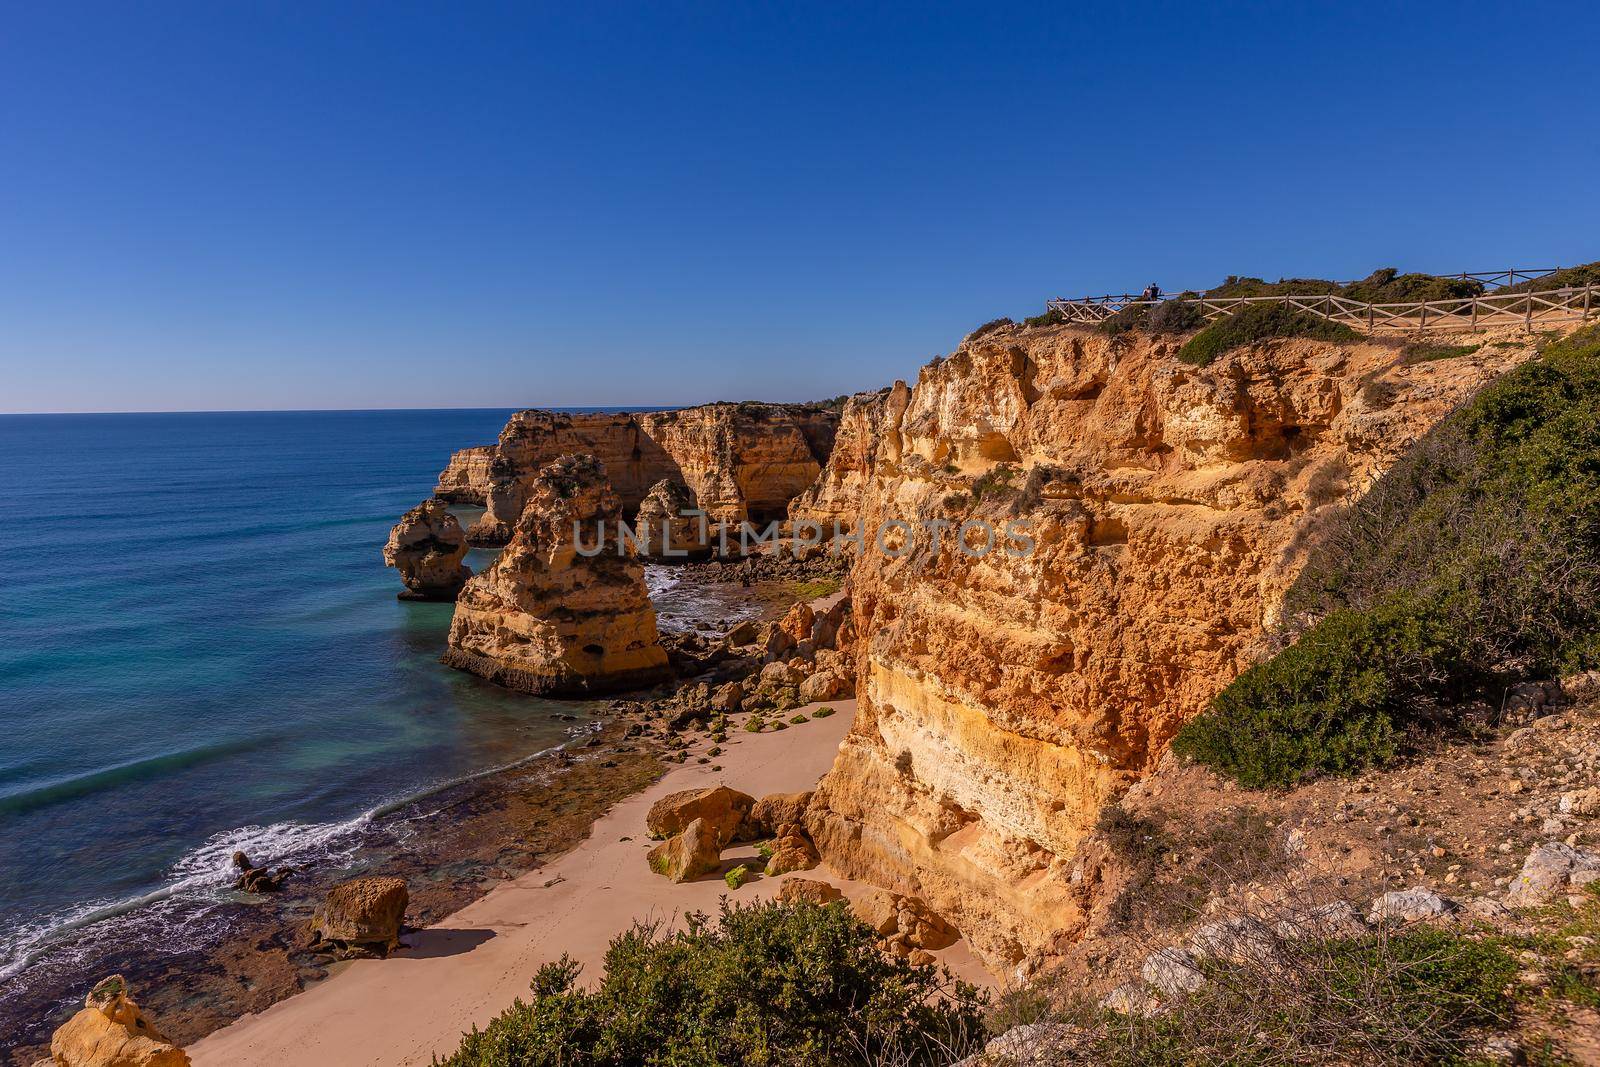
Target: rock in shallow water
{"x":427,"y":546}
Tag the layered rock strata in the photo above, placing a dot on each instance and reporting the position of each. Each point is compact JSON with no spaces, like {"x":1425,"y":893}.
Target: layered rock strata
{"x":427,"y":546}
{"x":741,"y":461}
{"x":546,"y":618}
{"x":1161,"y":510}
{"x":465,"y":479}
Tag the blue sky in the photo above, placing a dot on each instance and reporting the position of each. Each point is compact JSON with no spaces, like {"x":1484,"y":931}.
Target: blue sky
{"x":275,"y":205}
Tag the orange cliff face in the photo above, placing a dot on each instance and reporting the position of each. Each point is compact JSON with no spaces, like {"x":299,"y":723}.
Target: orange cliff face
{"x":1003,"y":699}
{"x":740,"y":461}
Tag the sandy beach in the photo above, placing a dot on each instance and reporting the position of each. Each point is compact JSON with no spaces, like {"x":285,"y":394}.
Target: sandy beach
{"x":467,"y":968}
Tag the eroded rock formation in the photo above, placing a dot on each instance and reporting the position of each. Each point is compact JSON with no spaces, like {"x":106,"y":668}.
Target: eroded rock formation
{"x":1005,"y":697}
{"x":870,"y":421}
{"x":111,"y":1031}
{"x":665,"y":527}
{"x":427,"y":546}
{"x":548,"y":619}
{"x":741,"y":461}
{"x":465,"y":479}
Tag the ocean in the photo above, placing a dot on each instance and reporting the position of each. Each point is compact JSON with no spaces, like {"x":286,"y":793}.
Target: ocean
{"x":201,"y":651}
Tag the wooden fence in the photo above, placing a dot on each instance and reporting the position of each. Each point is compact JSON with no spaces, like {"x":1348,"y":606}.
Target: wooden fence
{"x":1573,"y":303}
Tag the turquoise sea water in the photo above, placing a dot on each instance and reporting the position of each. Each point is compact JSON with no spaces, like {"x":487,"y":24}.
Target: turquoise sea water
{"x":201,"y":650}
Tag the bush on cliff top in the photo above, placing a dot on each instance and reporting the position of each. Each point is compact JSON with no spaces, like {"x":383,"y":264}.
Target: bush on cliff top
{"x":1584,"y":274}
{"x":777,"y":984}
{"x":1425,"y":996}
{"x":1475,"y":562}
{"x":1258,"y":322}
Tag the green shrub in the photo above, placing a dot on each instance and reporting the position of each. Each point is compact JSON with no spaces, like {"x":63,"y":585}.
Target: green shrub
{"x":1423,"y":351}
{"x":1389,"y":286}
{"x":737,"y":877}
{"x":989,"y":327}
{"x":777,"y":984}
{"x":1423,"y":997}
{"x":1175,"y":316}
{"x":1257,"y":322}
{"x":822,"y":712}
{"x":1577,"y":277}
{"x":797,"y":719}
{"x":1241,"y":286}
{"x":1049,"y":318}
{"x":1475,"y":562}
{"x":1127,"y":319}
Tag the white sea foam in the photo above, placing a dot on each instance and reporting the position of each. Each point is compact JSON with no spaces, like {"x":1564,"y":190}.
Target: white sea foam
{"x":196,"y":883}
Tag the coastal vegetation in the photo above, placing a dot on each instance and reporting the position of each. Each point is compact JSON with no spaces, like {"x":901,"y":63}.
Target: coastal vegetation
{"x":1421,"y":996}
{"x":1258,"y":322}
{"x":1472,"y":565}
{"x":781,"y":984}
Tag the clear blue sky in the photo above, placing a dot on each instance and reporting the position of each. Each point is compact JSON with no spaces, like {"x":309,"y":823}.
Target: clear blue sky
{"x":267,"y":205}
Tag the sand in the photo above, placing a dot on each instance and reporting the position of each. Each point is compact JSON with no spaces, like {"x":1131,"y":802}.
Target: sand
{"x":466,"y":969}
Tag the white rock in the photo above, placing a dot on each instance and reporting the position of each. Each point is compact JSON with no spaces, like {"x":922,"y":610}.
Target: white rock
{"x":1549,"y":870}
{"x":1129,"y":998}
{"x":1337,"y":919}
{"x":1239,"y":940}
{"x":1173,"y":971}
{"x":1416,"y":904}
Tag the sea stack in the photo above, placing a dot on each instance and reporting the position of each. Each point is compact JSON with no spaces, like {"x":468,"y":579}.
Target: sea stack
{"x":426,"y":546}
{"x":546,"y":618}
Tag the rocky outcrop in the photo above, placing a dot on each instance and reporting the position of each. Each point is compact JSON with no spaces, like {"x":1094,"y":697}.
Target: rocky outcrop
{"x":545,"y":618}
{"x":724,"y":810}
{"x":427,"y":546}
{"x":687,"y":855}
{"x":665,"y":528}
{"x":465,"y":479}
{"x":361,"y":916}
{"x":111,"y":1031}
{"x":1005,"y":695}
{"x":868,"y":423}
{"x":739,"y":460}
{"x":744,"y":461}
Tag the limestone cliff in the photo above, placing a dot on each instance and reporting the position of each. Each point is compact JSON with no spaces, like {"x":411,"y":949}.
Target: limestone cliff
{"x":740,"y":460}
{"x":744,"y":461}
{"x":545,"y":618}
{"x":465,"y":479}
{"x":1004,"y":697}
{"x":866,"y":424}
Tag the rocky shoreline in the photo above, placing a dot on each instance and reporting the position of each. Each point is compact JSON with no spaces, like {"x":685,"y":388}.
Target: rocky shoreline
{"x":451,"y":847}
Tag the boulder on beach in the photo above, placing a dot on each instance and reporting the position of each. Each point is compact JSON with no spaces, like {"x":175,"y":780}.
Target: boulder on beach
{"x":111,"y":1031}
{"x":361,"y":916}
{"x":772,"y":811}
{"x":810,"y":890}
{"x":723,"y":810}
{"x":427,"y":546}
{"x":690,"y":854}
{"x":792,"y":850}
